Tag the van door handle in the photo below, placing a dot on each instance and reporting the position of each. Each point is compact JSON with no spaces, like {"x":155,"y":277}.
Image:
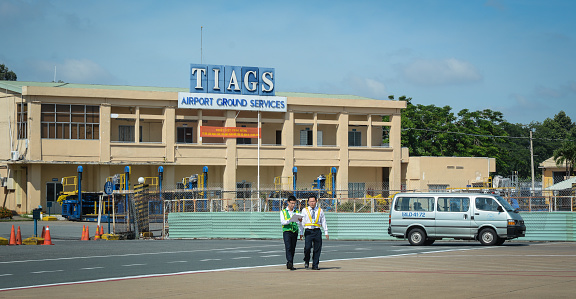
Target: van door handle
{"x":465,"y":216}
{"x":476,"y":213}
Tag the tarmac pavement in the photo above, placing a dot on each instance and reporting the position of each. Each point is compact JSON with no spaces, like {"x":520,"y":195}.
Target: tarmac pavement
{"x":519,"y":270}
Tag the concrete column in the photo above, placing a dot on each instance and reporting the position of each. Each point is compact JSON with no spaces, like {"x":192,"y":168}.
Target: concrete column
{"x":342,"y":137}
{"x":34,"y":187}
{"x":198,"y":138}
{"x":105,"y":130}
{"x":229,"y":179}
{"x":369,"y":132}
{"x":137,"y":126}
{"x":168,"y":137}
{"x":288,"y":142}
{"x":315,"y":131}
{"x":34,"y":131}
{"x":396,"y":145}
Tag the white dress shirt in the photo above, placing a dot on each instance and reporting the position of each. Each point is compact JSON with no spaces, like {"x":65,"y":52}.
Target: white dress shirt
{"x":307,"y":213}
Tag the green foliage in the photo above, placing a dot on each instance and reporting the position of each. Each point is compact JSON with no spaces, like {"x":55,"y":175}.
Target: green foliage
{"x":566,"y":154}
{"x":436,"y":131}
{"x":5,"y":213}
{"x":6,"y":74}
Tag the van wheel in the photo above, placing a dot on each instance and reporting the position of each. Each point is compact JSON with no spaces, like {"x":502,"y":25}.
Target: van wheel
{"x":488,"y":237}
{"x":417,"y":237}
{"x":500,"y":241}
{"x":429,"y":242}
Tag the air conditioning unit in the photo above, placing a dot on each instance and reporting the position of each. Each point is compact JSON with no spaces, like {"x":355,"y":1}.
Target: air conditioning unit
{"x":15,"y":155}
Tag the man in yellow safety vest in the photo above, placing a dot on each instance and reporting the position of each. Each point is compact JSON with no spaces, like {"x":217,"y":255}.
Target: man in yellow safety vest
{"x":291,"y":225}
{"x":312,"y":221}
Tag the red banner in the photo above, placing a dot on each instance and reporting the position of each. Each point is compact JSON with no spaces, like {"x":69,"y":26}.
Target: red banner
{"x":229,"y":132}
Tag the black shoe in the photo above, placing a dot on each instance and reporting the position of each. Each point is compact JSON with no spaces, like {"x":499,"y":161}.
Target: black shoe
{"x":289,"y":265}
{"x":315,"y":268}
{"x":306,"y":266}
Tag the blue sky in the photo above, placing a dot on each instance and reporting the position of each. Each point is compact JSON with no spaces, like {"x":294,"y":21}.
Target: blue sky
{"x":513,"y":56}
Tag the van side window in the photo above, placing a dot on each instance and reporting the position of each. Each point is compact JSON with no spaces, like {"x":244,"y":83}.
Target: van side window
{"x":424,"y":204}
{"x":486,"y":204}
{"x":453,"y":204}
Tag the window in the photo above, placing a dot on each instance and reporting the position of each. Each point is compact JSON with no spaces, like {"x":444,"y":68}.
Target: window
{"x":453,"y":204}
{"x":278,"y":137}
{"x":243,"y":140}
{"x":306,"y":137}
{"x":354,"y":138}
{"x":22,"y":120}
{"x":126,"y":133}
{"x":437,"y":188}
{"x":425,"y":204}
{"x":184,"y":135}
{"x":60,"y":121}
{"x":486,"y":204}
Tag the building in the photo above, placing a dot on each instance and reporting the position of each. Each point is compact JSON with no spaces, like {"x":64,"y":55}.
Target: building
{"x":50,"y":129}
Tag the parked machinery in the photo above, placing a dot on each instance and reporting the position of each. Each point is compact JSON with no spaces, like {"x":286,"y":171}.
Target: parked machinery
{"x":76,"y":204}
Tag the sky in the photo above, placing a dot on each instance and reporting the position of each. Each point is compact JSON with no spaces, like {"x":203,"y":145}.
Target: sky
{"x":512,"y":56}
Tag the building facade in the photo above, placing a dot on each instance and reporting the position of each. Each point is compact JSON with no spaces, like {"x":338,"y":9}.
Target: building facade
{"x":49,"y":129}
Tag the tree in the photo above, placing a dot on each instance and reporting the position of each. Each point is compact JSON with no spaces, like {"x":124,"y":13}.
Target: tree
{"x":566,"y":154}
{"x":6,"y":74}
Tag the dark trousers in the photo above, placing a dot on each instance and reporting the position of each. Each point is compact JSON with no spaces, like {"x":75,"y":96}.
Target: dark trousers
{"x":290,"y":239}
{"x":313,"y":238}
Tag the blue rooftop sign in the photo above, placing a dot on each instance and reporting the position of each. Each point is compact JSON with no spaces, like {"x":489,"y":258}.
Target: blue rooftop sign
{"x":226,"y":79}
{"x":226,"y":87}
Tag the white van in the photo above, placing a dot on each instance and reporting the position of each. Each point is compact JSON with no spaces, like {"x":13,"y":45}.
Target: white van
{"x":426,"y":217}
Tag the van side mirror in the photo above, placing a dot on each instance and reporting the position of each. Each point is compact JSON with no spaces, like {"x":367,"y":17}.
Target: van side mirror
{"x":500,"y":209}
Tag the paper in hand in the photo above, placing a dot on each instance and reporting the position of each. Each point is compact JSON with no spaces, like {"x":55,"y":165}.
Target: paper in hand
{"x":295,"y":217}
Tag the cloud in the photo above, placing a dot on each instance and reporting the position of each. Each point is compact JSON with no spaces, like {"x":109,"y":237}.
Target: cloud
{"x":366,"y":86}
{"x":449,"y":71}
{"x":76,"y":71}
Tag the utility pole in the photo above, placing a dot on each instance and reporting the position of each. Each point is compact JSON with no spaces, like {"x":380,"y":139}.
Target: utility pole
{"x":532,"y":161}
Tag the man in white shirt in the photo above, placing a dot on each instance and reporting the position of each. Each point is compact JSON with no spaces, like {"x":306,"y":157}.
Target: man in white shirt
{"x":313,"y":221}
{"x":290,"y":229}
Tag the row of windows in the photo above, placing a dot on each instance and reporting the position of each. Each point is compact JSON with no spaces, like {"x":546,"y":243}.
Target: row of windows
{"x":444,"y":204}
{"x":61,"y":121}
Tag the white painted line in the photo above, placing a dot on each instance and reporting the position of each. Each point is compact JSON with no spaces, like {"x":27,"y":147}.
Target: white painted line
{"x":138,"y":254}
{"x":131,"y":265}
{"x":209,"y":271}
{"x":206,"y":260}
{"x":176,"y":262}
{"x":272,"y":255}
{"x":93,"y":268}
{"x":49,"y":271}
{"x":6,"y":274}
{"x":241,"y":257}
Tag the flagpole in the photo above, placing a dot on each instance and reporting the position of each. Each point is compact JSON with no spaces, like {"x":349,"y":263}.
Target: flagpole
{"x":259,"y":139}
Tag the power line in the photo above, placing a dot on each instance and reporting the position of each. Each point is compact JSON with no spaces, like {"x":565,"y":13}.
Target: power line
{"x":480,"y":135}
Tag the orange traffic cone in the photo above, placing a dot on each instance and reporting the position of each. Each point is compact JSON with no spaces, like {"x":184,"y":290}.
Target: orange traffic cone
{"x":101,"y":230}
{"x":96,"y":235}
{"x":87,"y":236}
{"x":47,"y":239}
{"x":43,"y":232}
{"x":83,"y":237}
{"x":12,"y":237}
{"x":18,"y":237}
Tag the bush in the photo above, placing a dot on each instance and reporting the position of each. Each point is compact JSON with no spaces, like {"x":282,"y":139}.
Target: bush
{"x":5,"y":213}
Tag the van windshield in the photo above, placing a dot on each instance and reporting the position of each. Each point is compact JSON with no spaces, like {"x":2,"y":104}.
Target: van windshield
{"x":505,"y":204}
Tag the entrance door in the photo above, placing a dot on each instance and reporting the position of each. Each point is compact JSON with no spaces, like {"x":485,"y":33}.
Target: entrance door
{"x":453,"y":217}
{"x":53,"y":189}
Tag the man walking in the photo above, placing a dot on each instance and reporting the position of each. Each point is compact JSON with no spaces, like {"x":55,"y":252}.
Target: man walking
{"x":291,"y":225}
{"x":313,"y":220}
